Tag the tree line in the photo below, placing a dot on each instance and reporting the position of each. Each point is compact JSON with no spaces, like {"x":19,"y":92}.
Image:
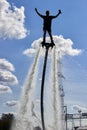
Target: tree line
{"x":6,"y":121}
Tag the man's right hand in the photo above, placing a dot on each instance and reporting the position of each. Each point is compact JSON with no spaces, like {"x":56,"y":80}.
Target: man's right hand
{"x":36,"y":9}
{"x":60,"y":11}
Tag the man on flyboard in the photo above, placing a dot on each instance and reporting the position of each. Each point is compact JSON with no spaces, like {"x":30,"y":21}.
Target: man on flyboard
{"x":47,"y":20}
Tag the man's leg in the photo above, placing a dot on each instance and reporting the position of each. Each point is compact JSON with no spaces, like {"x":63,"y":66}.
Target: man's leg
{"x":44,"y":36}
{"x":51,"y":37}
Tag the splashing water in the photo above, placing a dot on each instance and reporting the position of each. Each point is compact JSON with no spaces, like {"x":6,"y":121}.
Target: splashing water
{"x":24,"y":108}
{"x":56,"y":94}
{"x":24,"y":121}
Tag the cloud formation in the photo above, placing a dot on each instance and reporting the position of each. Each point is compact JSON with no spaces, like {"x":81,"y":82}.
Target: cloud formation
{"x":11,"y":103}
{"x":78,"y":107}
{"x":6,"y":65}
{"x":6,"y":76}
{"x":5,"y":89}
{"x":12,"y":21}
{"x":29,"y":52}
{"x":64,"y":46}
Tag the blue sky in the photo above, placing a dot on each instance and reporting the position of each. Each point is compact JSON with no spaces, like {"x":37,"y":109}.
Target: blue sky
{"x":72,"y":24}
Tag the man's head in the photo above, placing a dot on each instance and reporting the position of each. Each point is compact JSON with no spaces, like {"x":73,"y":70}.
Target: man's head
{"x":47,"y":13}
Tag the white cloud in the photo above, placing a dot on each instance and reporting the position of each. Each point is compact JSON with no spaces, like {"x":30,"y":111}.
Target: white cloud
{"x":6,"y":65}
{"x":12,"y":21}
{"x":78,"y":107}
{"x":11,"y":103}
{"x":6,"y":77}
{"x":64,"y":46}
{"x":5,"y":89}
{"x":29,"y":52}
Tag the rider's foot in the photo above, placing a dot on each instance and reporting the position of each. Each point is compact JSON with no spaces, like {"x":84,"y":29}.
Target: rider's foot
{"x":53,"y":43}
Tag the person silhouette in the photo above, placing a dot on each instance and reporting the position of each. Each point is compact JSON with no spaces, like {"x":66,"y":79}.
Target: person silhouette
{"x":47,"y":21}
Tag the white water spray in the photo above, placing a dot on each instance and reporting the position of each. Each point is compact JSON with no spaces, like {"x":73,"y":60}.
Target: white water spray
{"x":56,"y":93}
{"x":24,"y":119}
{"x":29,"y":86}
{"x":65,"y":46}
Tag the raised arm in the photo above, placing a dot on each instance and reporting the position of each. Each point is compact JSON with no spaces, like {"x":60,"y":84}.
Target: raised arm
{"x":59,"y":12}
{"x":38,"y":13}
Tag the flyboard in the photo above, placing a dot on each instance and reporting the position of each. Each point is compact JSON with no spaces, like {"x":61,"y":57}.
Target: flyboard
{"x":46,"y":44}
